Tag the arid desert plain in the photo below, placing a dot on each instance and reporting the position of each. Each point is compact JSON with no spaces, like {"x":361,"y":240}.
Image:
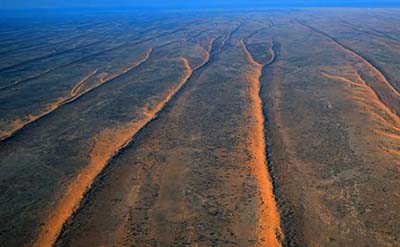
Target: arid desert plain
{"x":275,"y":128}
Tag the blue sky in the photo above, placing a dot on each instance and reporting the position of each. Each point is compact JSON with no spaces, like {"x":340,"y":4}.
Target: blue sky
{"x":189,"y":3}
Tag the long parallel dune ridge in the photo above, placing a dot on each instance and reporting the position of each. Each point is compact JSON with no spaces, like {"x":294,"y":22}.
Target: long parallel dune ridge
{"x":367,"y":98}
{"x":74,"y":94}
{"x":107,"y":144}
{"x":53,"y":68}
{"x":79,"y":85}
{"x":107,"y":79}
{"x":381,"y":85}
{"x":207,"y":51}
{"x":375,"y":33}
{"x":52,"y":54}
{"x":365,"y":93}
{"x":246,"y":127}
{"x":269,"y":226}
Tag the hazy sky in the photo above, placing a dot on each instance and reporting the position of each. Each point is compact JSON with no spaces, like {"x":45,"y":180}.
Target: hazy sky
{"x":188,"y":3}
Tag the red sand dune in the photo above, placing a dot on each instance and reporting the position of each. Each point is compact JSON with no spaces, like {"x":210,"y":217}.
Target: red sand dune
{"x":365,"y":96}
{"x":381,"y":86}
{"x":105,"y":145}
{"x":73,"y":95}
{"x":269,"y":226}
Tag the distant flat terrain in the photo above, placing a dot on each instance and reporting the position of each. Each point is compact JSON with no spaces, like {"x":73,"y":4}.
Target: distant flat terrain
{"x":200,"y":128}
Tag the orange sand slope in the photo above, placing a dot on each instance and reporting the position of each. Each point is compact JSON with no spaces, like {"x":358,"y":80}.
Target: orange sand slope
{"x":269,"y":219}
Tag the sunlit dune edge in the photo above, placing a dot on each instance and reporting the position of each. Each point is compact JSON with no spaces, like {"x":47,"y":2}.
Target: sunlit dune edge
{"x":74,"y":94}
{"x":364,"y":94}
{"x":368,"y":100}
{"x":106,"y":145}
{"x":269,"y":230}
{"x":381,"y":85}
